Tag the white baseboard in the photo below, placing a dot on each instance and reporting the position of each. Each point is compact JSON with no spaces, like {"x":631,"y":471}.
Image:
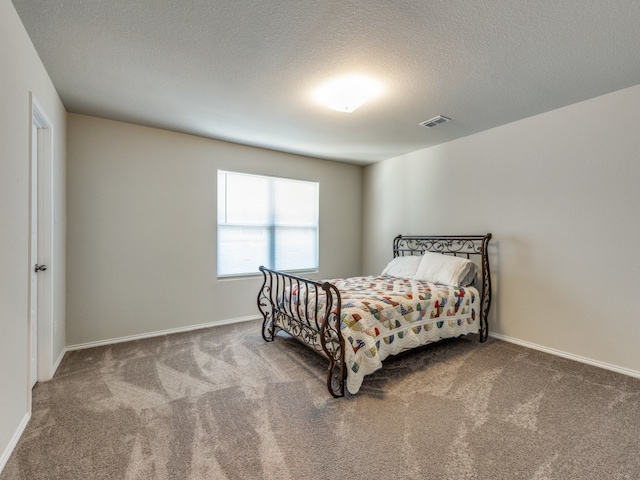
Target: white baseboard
{"x":159,"y":333}
{"x":14,"y":441}
{"x":570,"y":356}
{"x":57,"y":362}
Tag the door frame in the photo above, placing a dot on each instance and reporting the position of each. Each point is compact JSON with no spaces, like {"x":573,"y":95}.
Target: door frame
{"x":43,"y":161}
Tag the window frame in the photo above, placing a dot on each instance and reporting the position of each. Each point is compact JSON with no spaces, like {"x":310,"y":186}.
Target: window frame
{"x":271,"y":227}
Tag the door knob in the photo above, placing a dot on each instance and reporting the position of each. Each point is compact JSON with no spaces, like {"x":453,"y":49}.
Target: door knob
{"x":40,"y":268}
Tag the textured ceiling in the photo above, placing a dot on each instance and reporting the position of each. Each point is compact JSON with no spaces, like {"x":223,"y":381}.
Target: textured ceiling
{"x":243,"y":71}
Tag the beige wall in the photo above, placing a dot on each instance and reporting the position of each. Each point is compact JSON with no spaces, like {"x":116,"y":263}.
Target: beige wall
{"x":560,"y":193}
{"x":142,"y":227}
{"x":22,"y":73}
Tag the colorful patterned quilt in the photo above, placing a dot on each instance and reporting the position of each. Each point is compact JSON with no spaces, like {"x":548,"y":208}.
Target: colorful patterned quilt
{"x":385,"y":315}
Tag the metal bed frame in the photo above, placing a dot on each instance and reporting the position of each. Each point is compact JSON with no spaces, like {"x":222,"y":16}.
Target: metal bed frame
{"x":319,"y":327}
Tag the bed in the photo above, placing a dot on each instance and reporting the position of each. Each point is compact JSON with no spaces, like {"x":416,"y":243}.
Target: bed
{"x":435,"y":287}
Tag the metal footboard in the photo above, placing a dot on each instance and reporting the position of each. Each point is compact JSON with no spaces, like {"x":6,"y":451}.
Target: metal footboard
{"x":310,"y":312}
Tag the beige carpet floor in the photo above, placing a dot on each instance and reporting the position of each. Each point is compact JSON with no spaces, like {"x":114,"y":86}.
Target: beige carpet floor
{"x":222,"y":404}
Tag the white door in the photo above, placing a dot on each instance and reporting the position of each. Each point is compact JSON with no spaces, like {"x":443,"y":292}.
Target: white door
{"x":41,"y":327}
{"x":33,"y":315}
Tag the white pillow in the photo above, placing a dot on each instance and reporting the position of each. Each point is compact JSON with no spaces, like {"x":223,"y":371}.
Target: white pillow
{"x":446,"y":269}
{"x":403,"y":267}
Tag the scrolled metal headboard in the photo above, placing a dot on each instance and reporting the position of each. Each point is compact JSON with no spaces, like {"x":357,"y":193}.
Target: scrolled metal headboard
{"x":469,"y":246}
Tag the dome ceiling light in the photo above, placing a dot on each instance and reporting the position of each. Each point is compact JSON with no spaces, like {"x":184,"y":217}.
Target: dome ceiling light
{"x":345,"y":94}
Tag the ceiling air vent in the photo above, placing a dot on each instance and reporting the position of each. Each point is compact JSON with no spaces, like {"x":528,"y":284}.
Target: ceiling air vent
{"x":432,"y":122}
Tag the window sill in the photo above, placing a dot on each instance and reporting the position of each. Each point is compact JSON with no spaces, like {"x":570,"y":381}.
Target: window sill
{"x":249,"y":276}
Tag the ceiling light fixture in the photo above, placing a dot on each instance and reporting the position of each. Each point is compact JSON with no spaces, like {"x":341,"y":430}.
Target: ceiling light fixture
{"x":345,"y":94}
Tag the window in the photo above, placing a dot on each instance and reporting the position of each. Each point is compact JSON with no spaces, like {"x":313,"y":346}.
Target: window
{"x":266,"y":221}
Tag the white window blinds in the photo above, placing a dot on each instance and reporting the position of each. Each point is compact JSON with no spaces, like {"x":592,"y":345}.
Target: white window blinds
{"x":266,"y":221}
